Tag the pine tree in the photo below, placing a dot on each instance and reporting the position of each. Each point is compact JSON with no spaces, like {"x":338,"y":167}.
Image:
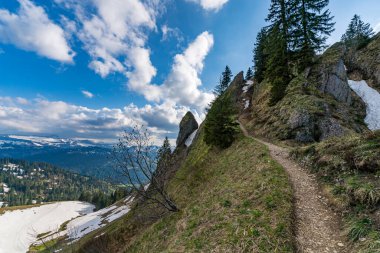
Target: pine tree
{"x":249,"y":74}
{"x":277,"y":48}
{"x":277,"y":70}
{"x":279,"y":13}
{"x":220,"y":127}
{"x":164,"y":152}
{"x":259,"y":55}
{"x":311,"y":25}
{"x":358,"y":33}
{"x":224,"y":82}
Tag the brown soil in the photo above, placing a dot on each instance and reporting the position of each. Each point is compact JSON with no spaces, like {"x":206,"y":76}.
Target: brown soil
{"x":317,"y":226}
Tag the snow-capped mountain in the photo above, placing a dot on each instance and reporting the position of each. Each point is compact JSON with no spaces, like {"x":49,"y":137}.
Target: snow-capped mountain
{"x":7,"y":141}
{"x":82,"y":156}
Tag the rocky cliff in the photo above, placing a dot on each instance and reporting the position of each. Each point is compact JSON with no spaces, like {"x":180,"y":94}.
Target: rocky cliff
{"x":318,"y":104}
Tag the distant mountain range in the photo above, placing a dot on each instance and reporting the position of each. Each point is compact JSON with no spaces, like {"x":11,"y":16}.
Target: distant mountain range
{"x":83,"y":156}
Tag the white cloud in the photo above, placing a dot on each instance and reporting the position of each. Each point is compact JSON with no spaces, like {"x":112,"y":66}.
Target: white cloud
{"x":168,"y":32}
{"x":31,"y":29}
{"x":182,"y":84}
{"x":210,"y":5}
{"x":41,"y":116}
{"x":87,"y":94}
{"x":116,"y":29}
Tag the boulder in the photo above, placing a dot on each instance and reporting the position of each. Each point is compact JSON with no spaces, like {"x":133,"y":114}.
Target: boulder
{"x":187,"y":126}
{"x":334,"y":81}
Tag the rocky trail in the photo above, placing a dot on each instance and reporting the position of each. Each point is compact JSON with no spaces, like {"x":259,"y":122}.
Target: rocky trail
{"x":317,"y":226}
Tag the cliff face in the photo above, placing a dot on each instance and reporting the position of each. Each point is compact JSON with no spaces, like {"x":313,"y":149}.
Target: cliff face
{"x":318,"y":104}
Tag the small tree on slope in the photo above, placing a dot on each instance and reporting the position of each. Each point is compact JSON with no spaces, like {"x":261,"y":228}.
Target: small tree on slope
{"x":358,"y":33}
{"x":220,"y":126}
{"x":249,"y":74}
{"x":143,"y":171}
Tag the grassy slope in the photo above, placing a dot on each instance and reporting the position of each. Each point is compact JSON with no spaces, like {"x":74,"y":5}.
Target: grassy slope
{"x":234,"y":200}
{"x":349,"y":170}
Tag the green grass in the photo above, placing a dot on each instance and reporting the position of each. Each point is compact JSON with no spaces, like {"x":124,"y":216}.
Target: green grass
{"x":349,"y":169}
{"x":234,"y":200}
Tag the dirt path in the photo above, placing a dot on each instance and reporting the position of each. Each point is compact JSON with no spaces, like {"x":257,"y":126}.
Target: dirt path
{"x":317,"y":226}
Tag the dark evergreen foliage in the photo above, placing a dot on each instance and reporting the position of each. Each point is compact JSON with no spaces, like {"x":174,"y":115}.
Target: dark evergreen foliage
{"x":220,"y":126}
{"x":259,"y":55}
{"x":358,"y":33}
{"x":310,"y":24}
{"x":224,"y":82}
{"x":277,"y":72}
{"x":249,"y":74}
{"x":35,"y":182}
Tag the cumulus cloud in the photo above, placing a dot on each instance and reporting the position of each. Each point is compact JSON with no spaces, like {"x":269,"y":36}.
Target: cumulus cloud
{"x":115,"y":38}
{"x":31,"y":29}
{"x":87,"y":94}
{"x":210,"y":5}
{"x":182,"y":84}
{"x":41,"y":116}
{"x":110,"y":30}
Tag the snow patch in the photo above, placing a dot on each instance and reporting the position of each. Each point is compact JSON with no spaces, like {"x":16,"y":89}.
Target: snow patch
{"x":83,"y":225}
{"x":371,"y":98}
{"x":19,"y":228}
{"x":247,"y":86}
{"x":190,"y":139}
{"x":246,"y":105}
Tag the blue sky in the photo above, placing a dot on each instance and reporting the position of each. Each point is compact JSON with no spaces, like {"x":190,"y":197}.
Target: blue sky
{"x":88,"y":69}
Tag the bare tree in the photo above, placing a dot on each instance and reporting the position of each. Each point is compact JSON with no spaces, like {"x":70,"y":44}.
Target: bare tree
{"x":141,"y":167}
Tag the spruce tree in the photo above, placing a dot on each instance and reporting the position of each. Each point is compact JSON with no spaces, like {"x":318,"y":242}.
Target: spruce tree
{"x":226,"y":78}
{"x":277,"y":70}
{"x":310,"y":25}
{"x":164,"y":152}
{"x":249,"y":74}
{"x":279,"y":13}
{"x":259,"y":55}
{"x":277,"y":48}
{"x":220,"y":126}
{"x":358,"y":33}
{"x":224,"y":82}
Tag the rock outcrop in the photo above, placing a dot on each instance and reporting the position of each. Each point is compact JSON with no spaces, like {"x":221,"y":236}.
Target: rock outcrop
{"x":332,"y":76}
{"x":187,"y":126}
{"x":365,"y":63}
{"x":318,"y":104}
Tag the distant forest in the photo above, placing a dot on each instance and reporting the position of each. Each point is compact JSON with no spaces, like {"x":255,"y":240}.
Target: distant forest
{"x":25,"y":183}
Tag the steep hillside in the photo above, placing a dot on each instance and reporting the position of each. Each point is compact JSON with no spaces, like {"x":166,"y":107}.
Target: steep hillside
{"x":234,"y":200}
{"x":318,"y":104}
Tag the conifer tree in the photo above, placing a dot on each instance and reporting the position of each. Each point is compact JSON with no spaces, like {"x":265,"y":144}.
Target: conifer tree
{"x":224,"y":82}
{"x":277,"y":48}
{"x":249,"y":74}
{"x":358,"y":33}
{"x":220,"y":127}
{"x":310,"y":25}
{"x":164,"y":152}
{"x":277,"y":70}
{"x":259,"y":55}
{"x":279,"y":13}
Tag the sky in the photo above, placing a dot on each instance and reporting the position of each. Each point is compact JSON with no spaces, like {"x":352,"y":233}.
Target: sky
{"x":90,"y":69}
